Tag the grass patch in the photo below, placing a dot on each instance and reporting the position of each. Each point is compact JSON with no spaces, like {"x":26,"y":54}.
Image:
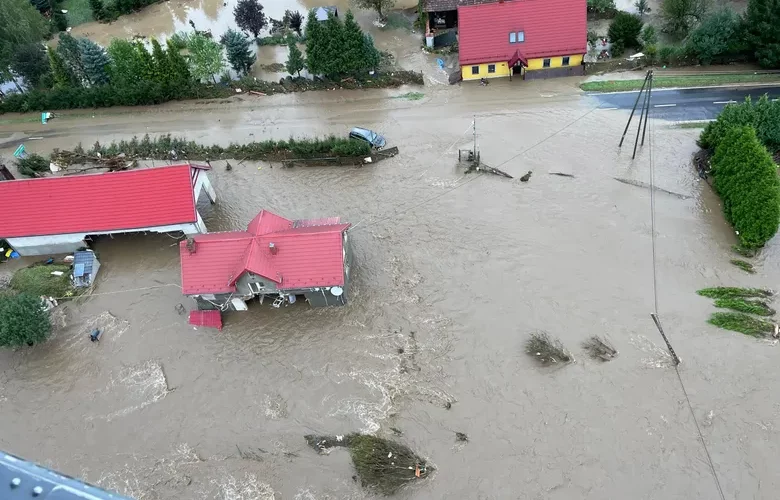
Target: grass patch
{"x":744,"y":265}
{"x":547,"y":350}
{"x":278,"y":39}
{"x":79,"y":11}
{"x":693,"y":125}
{"x":742,"y":323}
{"x":411,"y":96}
{"x":756,"y":307}
{"x":678,"y":81}
{"x":37,"y":280}
{"x":725,"y":292}
{"x":381,"y":464}
{"x":743,"y":251}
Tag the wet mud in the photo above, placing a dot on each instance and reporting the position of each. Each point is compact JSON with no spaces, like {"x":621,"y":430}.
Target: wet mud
{"x":452,"y":273}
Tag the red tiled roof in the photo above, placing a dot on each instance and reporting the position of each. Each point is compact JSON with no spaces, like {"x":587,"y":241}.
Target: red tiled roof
{"x":308,"y":256}
{"x":552,"y":28}
{"x":210,"y":319}
{"x":96,"y":203}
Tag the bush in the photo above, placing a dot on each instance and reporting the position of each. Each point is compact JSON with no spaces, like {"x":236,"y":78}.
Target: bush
{"x":31,"y":165}
{"x":763,"y":116}
{"x":757,"y":307}
{"x":385,"y":465}
{"x":680,"y":16}
{"x":728,"y":292}
{"x":742,"y":323}
{"x":761,"y":31}
{"x":23,"y":320}
{"x":603,"y":8}
{"x":716,"y":38}
{"x":745,"y":177}
{"x":625,"y":29}
{"x":648,"y":36}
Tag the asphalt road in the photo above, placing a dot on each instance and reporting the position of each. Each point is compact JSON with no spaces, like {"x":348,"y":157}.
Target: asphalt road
{"x":686,"y":104}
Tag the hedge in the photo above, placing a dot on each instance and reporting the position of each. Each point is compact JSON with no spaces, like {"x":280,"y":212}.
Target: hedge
{"x":763,"y":116}
{"x":745,"y":177}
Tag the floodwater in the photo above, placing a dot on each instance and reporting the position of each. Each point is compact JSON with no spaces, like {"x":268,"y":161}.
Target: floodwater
{"x":456,"y":270}
{"x":164,"y":19}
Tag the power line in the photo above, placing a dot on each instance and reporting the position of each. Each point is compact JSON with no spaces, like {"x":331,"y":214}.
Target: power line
{"x":655,"y":296}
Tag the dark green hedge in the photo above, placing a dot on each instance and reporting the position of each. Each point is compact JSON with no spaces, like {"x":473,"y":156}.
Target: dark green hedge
{"x":763,"y":116}
{"x":745,"y":177}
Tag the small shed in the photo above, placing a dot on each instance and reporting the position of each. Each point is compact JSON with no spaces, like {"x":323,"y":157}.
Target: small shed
{"x":321,"y":13}
{"x":209,"y":319}
{"x":85,"y":268}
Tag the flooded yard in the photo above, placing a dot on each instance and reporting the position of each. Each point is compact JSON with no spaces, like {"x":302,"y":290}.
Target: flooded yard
{"x":453,"y":272}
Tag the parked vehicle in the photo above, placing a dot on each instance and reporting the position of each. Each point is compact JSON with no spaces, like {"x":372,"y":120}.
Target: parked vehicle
{"x":371,"y":137}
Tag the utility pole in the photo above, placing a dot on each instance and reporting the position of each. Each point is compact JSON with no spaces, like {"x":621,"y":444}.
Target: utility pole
{"x":645,"y":94}
{"x":474,"y":130}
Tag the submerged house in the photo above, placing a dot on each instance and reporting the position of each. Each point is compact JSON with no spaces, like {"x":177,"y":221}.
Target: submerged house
{"x":52,"y":215}
{"x":321,"y":13}
{"x":274,"y":258}
{"x":530,"y":38}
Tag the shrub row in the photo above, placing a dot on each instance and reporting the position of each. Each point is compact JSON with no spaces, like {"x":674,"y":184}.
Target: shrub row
{"x":163,"y":146}
{"x":149,"y":93}
{"x":763,"y":116}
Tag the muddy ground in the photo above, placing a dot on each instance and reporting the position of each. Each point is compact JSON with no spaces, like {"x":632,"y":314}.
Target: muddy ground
{"x":470,"y":264}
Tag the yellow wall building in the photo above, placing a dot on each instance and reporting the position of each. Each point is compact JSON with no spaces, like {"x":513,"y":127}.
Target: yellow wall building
{"x":502,"y":69}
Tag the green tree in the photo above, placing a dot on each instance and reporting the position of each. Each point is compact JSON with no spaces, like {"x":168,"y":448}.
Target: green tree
{"x":380,"y":6}
{"x":23,"y":321}
{"x":95,"y":62}
{"x":293,"y":20}
{"x":354,"y":49}
{"x":316,"y":60}
{"x":144,"y":62}
{"x":249,"y":16}
{"x":30,"y":62}
{"x":98,"y":9}
{"x":762,"y":31}
{"x":602,"y":7}
{"x":180,"y":71}
{"x":295,"y":63}
{"x":205,"y":58}
{"x":41,"y":5}
{"x":679,"y":16}
{"x":642,"y":7}
{"x":59,"y":21}
{"x":625,"y":29}
{"x":746,"y":179}
{"x":70,"y":50}
{"x":333,"y":43}
{"x":162,"y":71}
{"x":715,"y":37}
{"x":372,"y":54}
{"x":763,"y":116}
{"x":239,"y":55}
{"x":648,"y":36}
{"x":20,"y":24}
{"x":124,"y":66}
{"x":61,"y":74}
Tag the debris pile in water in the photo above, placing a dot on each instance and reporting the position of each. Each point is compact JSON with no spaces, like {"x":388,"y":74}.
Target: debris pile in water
{"x":599,"y":348}
{"x":547,"y":350}
{"x":381,"y":464}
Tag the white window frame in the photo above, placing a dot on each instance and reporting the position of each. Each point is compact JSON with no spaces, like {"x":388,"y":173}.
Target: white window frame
{"x":520,"y":36}
{"x":252,"y":289}
{"x":512,"y":37}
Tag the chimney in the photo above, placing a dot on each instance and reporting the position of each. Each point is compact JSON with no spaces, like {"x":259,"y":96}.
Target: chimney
{"x":273,"y":249}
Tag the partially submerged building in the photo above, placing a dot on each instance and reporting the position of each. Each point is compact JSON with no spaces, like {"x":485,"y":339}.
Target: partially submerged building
{"x":53,"y":215}
{"x":529,"y":38}
{"x":85,"y":268}
{"x":274,"y":258}
{"x":322,"y":13}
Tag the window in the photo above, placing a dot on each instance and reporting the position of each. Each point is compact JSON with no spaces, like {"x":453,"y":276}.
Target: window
{"x":521,"y":36}
{"x":513,"y":37}
{"x":546,"y":63}
{"x":475,"y":70}
{"x":517,"y":37}
{"x":491,"y":68}
{"x":565,"y":61}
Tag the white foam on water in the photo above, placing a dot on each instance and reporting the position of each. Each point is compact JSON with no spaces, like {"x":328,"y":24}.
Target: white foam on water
{"x":247,"y":488}
{"x":658,"y":356}
{"x":275,"y":406}
{"x":143,"y":384}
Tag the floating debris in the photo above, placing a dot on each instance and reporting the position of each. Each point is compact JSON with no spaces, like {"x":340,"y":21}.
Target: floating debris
{"x":599,"y":348}
{"x":742,"y":323}
{"x":526,"y":177}
{"x":744,"y":265}
{"x":725,"y":292}
{"x":447,"y":405}
{"x":547,"y":350}
{"x":561,"y":174}
{"x":757,"y":307}
{"x":381,"y":464}
{"x":645,"y":185}
{"x":461,"y":437}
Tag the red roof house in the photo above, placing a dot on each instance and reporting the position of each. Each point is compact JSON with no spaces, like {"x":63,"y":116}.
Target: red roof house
{"x":273,"y":257}
{"x":54,"y":214}
{"x":549,"y":36}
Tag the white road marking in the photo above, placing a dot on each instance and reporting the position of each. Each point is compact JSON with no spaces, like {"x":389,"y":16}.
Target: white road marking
{"x":609,"y":109}
{"x":724,"y":102}
{"x":664,"y":105}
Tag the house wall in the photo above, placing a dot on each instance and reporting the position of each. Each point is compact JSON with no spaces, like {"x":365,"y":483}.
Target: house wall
{"x":555,"y":62}
{"x":67,"y":243}
{"x":502,"y":69}
{"x":266,"y":286}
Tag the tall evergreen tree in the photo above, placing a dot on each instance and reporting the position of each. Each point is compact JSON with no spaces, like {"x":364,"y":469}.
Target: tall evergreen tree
{"x":60,"y":72}
{"x":315,"y":51}
{"x":41,"y":5}
{"x":144,"y":63}
{"x":295,"y":62}
{"x":123,"y":68}
{"x":162,"y":71}
{"x":98,"y":9}
{"x":354,"y":50}
{"x":179,"y":67}
{"x":372,"y":54}
{"x":249,"y":16}
{"x":333,"y":41}
{"x":30,"y":62}
{"x":238,"y":53}
{"x":762,"y":26}
{"x":95,"y":62}
{"x":70,"y":50}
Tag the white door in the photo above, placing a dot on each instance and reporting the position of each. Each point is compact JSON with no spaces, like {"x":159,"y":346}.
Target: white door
{"x":238,"y":304}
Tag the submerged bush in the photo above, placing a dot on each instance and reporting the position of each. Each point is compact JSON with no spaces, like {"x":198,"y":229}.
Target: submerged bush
{"x":742,"y":323}
{"x":756,"y":307}
{"x":725,"y":292}
{"x":624,"y":30}
{"x":745,"y":177}
{"x":547,"y":350}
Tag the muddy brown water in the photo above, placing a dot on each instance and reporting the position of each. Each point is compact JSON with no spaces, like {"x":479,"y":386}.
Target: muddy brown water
{"x":471,"y":265}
